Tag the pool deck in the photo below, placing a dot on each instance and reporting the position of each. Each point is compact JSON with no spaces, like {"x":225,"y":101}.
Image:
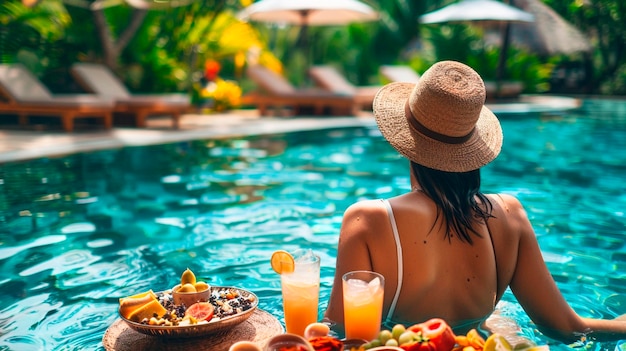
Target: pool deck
{"x":23,"y":144}
{"x":16,"y":145}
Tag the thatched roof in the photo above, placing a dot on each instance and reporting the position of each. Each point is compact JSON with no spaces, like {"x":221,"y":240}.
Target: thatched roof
{"x":550,"y":33}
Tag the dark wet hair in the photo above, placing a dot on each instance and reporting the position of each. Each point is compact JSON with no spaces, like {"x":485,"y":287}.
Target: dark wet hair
{"x":455,"y":195}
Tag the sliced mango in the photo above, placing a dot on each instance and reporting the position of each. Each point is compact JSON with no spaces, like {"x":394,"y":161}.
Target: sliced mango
{"x":130,"y":304}
{"x":142,"y":294}
{"x":146,"y":311}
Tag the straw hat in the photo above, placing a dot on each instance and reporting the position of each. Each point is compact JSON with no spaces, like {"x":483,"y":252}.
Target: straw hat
{"x":441,"y":121}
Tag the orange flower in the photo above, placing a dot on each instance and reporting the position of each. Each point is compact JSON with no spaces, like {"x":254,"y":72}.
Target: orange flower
{"x":211,"y":69}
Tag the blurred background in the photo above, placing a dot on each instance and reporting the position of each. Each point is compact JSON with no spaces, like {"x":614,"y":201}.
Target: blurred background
{"x":177,"y":45}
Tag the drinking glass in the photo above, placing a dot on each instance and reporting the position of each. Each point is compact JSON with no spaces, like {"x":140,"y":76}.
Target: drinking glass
{"x":301,"y":290}
{"x":362,"y":304}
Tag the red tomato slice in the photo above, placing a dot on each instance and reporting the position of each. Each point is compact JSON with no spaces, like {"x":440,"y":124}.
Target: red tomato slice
{"x":202,"y":311}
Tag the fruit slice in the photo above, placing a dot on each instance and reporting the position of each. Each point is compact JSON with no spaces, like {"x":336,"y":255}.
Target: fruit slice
{"x":282,"y":262}
{"x":130,"y":304}
{"x":316,"y":329}
{"x":136,"y":296}
{"x":201,"y":311}
{"x":146,"y":311}
{"x":497,"y":342}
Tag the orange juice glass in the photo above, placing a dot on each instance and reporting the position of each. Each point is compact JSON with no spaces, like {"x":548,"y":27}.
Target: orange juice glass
{"x":363,"y":293}
{"x":301,"y":291}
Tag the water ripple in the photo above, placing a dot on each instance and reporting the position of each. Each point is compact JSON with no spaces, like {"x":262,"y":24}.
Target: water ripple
{"x":66,"y":261}
{"x":28,"y":244}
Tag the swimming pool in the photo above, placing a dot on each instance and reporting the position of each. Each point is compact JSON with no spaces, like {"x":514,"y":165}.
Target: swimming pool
{"x":78,"y":232}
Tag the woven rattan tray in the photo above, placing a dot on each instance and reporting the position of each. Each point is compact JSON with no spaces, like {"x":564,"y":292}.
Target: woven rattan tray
{"x":258,"y":328}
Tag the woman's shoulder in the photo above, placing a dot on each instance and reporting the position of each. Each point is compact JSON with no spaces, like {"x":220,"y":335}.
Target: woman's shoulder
{"x":505,"y":202}
{"x":508,"y":210}
{"x":367,"y":206}
{"x":367,"y":212}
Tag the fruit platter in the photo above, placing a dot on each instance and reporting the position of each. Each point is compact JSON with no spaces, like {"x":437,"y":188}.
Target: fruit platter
{"x":190,"y":309}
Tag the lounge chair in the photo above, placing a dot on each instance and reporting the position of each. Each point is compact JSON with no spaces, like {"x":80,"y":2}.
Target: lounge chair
{"x":276,"y":91}
{"x":22,"y":94}
{"x":98,"y":79}
{"x":399,"y":73}
{"x":330,"y":79}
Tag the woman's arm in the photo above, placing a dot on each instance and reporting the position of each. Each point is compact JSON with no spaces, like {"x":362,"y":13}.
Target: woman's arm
{"x":359,"y":221}
{"x":535,"y":289}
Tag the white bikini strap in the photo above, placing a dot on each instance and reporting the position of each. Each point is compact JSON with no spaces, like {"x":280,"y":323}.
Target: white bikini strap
{"x":399,"y":255}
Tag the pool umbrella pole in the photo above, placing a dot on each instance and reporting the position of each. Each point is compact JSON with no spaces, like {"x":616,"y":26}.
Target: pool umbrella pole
{"x":506,"y":39}
{"x":303,"y":39}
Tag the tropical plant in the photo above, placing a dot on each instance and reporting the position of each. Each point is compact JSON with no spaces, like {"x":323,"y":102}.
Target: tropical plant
{"x":152,"y":50}
{"x":27,"y":33}
{"x":360,"y":48}
{"x":172,"y":47}
{"x":605,"y":22}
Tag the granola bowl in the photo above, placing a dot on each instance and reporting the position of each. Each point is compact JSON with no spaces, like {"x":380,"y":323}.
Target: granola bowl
{"x":241,"y":307}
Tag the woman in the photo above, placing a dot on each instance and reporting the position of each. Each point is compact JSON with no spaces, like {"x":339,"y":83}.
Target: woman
{"x":445,"y":249}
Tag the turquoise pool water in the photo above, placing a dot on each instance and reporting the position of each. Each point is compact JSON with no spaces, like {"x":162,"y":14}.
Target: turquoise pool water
{"x":78,"y":232}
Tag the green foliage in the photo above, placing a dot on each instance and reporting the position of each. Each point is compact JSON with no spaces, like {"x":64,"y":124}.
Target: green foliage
{"x":358,"y":49}
{"x":48,"y":19}
{"x":617,"y":84}
{"x":453,"y":42}
{"x":26,"y":33}
{"x":529,"y":69}
{"x":170,"y":49}
{"x":399,"y":26}
{"x":281,"y":42}
{"x":349,"y":49}
{"x":605,"y":22}
{"x":341,"y":46}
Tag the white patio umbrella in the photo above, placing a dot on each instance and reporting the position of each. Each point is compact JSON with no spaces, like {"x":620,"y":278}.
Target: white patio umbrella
{"x":477,"y":10}
{"x":309,"y":12}
{"x":305,"y":13}
{"x":484,"y":11}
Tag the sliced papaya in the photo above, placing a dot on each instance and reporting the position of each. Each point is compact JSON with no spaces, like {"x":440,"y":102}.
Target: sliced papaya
{"x":141,"y":294}
{"x":129,"y":304}
{"x":148,"y":310}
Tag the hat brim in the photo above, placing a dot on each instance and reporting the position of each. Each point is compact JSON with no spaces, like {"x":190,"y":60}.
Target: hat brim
{"x":481,"y":148}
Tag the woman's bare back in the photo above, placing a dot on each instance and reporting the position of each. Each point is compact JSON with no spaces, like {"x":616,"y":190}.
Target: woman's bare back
{"x":454,"y":280}
{"x":443,"y":278}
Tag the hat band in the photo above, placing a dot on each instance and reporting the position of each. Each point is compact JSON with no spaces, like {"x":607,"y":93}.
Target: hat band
{"x":420,"y":128}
